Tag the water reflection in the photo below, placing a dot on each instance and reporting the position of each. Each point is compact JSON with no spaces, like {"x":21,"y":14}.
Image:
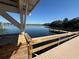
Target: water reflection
{"x":38,"y":31}
{"x":32,"y":30}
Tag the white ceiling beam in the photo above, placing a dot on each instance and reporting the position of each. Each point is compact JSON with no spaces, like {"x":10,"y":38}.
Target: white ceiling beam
{"x":8,"y":8}
{"x":9,"y":2}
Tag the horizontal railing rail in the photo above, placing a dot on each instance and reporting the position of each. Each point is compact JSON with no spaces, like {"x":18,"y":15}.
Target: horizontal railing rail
{"x":47,"y":41}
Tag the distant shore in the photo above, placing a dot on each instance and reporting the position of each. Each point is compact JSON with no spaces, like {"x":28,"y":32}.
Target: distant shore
{"x":65,"y":24}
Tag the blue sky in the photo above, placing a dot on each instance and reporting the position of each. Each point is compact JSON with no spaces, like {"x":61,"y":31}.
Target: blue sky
{"x":47,"y":11}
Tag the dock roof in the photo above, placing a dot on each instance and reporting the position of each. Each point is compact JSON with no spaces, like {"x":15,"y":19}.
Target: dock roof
{"x":13,"y":5}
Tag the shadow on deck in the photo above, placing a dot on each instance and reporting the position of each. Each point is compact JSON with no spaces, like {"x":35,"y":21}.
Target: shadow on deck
{"x":8,"y":46}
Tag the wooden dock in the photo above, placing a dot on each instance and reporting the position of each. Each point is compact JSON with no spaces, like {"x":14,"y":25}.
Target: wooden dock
{"x":67,"y":50}
{"x":10,"y":50}
{"x":20,"y":46}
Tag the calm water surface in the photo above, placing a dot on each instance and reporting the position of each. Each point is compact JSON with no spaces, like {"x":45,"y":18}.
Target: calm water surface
{"x":32,"y":30}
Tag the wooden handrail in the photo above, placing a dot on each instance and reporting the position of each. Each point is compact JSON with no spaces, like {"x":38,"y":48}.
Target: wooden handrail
{"x":46,"y":38}
{"x":52,"y":37}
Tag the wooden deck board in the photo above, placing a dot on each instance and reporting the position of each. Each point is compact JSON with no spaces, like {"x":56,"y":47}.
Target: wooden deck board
{"x":68,"y":50}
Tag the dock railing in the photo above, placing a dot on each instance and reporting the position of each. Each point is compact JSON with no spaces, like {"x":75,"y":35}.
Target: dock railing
{"x":48,"y":41}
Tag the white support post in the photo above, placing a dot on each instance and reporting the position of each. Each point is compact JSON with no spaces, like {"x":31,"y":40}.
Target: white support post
{"x":23,"y":13}
{"x":23,"y":6}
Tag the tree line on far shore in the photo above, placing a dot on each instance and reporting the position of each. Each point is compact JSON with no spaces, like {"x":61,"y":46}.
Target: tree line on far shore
{"x":65,"y":24}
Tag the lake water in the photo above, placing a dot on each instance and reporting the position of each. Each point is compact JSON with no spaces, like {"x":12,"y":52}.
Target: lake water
{"x":32,"y":30}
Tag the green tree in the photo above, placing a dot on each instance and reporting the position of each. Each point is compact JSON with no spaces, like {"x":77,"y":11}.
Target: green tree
{"x":65,"y":22}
